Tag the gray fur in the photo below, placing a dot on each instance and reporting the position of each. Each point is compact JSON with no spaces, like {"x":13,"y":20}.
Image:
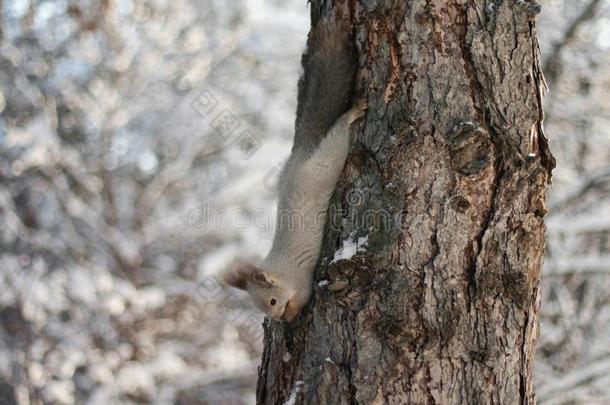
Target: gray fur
{"x":327,"y":85}
{"x":283,"y":284}
{"x":306,"y":186}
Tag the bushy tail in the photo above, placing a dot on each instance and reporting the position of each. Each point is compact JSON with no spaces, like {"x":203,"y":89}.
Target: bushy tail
{"x":327,"y":84}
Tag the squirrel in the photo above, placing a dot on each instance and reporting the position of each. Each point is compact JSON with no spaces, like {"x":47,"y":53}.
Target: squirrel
{"x":283,"y":283}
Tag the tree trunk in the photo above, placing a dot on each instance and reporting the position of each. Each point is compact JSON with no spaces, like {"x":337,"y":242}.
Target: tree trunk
{"x":446,"y":178}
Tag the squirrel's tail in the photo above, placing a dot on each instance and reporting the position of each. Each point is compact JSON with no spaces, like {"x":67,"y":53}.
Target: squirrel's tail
{"x":327,"y":84}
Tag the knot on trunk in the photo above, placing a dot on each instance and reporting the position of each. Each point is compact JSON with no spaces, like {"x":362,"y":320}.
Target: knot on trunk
{"x":470,"y":148}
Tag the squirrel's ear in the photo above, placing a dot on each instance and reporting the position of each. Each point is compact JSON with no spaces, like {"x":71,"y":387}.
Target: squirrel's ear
{"x":261,"y":278}
{"x":239,"y":275}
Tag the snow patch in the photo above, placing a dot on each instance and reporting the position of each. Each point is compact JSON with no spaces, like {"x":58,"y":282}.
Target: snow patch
{"x":293,"y":395}
{"x":349,"y":248}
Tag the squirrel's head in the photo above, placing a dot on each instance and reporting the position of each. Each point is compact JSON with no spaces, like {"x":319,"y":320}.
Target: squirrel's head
{"x":267,"y":291}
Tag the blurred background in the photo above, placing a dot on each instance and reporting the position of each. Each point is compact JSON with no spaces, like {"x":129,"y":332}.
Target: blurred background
{"x":140,"y":142}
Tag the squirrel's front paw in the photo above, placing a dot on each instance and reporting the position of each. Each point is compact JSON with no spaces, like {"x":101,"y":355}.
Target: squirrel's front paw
{"x":291,"y":311}
{"x":358,"y":110}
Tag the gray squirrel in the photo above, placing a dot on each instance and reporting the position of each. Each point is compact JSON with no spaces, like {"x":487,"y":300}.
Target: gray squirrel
{"x":283,"y":283}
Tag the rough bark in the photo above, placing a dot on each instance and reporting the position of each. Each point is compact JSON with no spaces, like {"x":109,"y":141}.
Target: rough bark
{"x":447,"y":178}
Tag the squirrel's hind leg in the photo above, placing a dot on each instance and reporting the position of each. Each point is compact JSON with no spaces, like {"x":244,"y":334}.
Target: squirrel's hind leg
{"x":357,"y":111}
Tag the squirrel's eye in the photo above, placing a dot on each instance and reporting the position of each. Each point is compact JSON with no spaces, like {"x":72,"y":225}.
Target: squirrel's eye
{"x":273,"y":301}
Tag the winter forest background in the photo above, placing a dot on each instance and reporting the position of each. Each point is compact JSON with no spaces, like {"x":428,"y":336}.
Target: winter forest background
{"x":140,"y":142}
